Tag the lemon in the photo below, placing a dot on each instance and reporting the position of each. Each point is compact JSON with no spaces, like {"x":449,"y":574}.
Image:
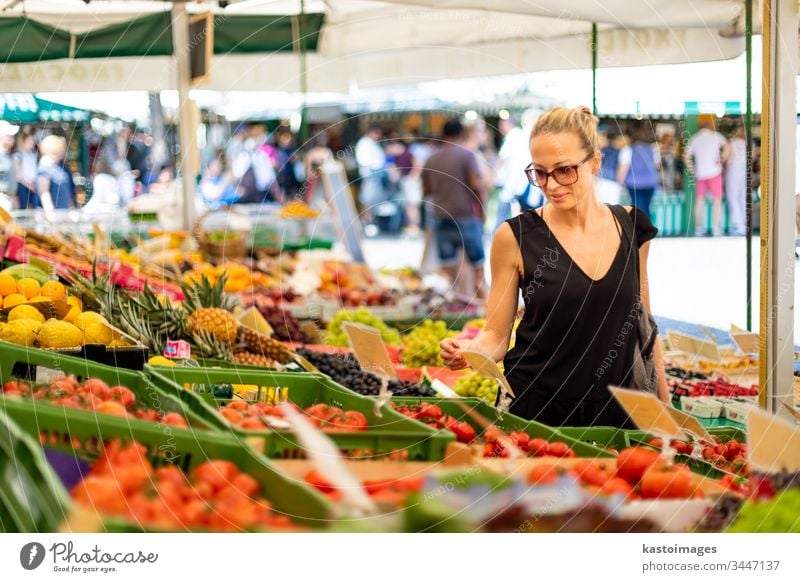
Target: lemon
{"x":25,"y":312}
{"x":21,"y":331}
{"x":59,"y":334}
{"x":87,"y":317}
{"x":54,"y":290}
{"x":160,"y":361}
{"x":13,"y":300}
{"x":97,"y":333}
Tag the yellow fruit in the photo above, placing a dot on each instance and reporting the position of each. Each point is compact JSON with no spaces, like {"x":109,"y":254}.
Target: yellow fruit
{"x":8,"y":284}
{"x":59,"y":334}
{"x":87,"y":317}
{"x":218,"y":322}
{"x":72,"y":314}
{"x":25,"y":312}
{"x":28,"y":287}
{"x":54,"y":290}
{"x":40,"y":299}
{"x":97,"y":333}
{"x":160,"y":361}
{"x":13,"y":300}
{"x":21,"y":331}
{"x":74,"y":302}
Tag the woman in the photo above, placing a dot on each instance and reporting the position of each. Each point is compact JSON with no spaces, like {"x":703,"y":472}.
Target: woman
{"x":56,"y":188}
{"x":736,"y":183}
{"x":26,"y":164}
{"x":577,"y":274}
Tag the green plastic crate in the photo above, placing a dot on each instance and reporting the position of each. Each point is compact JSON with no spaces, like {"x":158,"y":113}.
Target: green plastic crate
{"x":699,"y":466}
{"x":387,"y":435}
{"x":507,"y":423}
{"x":183,"y":448}
{"x":605,"y":437}
{"x":31,"y":496}
{"x":19,"y":362}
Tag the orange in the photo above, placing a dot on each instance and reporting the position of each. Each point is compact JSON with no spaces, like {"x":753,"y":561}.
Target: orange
{"x":54,"y":290}
{"x":8,"y":284}
{"x":28,"y":287}
{"x":13,"y":300}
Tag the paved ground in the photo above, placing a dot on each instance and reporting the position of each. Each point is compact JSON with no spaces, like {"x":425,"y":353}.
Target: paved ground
{"x":701,"y":280}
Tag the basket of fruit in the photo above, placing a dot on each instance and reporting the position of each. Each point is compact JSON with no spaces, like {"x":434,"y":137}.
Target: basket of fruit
{"x":349,"y":419}
{"x":36,"y":380}
{"x":190,"y":481}
{"x":531,"y":437}
{"x":223,"y":235}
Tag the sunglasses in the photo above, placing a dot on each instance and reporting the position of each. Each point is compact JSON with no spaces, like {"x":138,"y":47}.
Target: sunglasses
{"x":564,"y":175}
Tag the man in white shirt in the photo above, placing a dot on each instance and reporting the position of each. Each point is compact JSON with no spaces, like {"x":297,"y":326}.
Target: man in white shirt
{"x":371,"y":161}
{"x":705,"y":156}
{"x":515,"y":153}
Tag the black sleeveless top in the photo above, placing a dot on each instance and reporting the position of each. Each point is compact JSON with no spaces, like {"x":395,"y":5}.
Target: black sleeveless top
{"x":577,"y":335}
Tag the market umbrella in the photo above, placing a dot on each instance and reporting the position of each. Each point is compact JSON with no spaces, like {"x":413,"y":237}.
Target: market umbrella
{"x":27,"y":108}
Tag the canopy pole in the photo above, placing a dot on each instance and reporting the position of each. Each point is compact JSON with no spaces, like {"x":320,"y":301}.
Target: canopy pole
{"x":779,"y":123}
{"x":303,"y":75}
{"x":594,"y":68}
{"x":748,"y":138}
{"x":186,"y":119}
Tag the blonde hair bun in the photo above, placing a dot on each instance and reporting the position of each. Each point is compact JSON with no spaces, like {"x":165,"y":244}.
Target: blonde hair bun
{"x":576,"y":120}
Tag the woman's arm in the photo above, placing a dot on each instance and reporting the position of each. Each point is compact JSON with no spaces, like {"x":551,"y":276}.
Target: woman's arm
{"x":502,"y":306}
{"x":644,"y":286}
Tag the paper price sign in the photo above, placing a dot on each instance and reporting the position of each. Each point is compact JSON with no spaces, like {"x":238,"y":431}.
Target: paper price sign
{"x":178,"y":349}
{"x":369,"y":349}
{"x":694,"y":346}
{"x":773,"y":444}
{"x":747,"y":342}
{"x":487,"y":367}
{"x":689,"y":424}
{"x":648,"y":412}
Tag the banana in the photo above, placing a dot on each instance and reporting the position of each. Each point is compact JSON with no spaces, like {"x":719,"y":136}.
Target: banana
{"x":21,"y":271}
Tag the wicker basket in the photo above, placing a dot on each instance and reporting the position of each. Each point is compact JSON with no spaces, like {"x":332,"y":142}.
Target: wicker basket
{"x":234,"y":247}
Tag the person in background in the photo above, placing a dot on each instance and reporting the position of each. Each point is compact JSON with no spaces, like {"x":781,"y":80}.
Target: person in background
{"x":410,"y":185}
{"x":56,"y":188}
{"x":452,"y":181}
{"x":609,"y":190}
{"x":371,"y":160}
{"x":476,"y":139}
{"x":736,"y":183}
{"x":514,"y":154}
{"x":105,"y":188}
{"x":140,"y":159}
{"x":287,"y":158}
{"x":638,"y":169}
{"x":26,"y":166}
{"x":705,"y":155}
{"x":215,"y":187}
{"x":8,"y":174}
{"x":671,"y":164}
{"x":317,"y":156}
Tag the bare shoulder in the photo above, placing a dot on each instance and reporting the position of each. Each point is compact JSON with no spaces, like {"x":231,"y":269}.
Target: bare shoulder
{"x":504,"y":237}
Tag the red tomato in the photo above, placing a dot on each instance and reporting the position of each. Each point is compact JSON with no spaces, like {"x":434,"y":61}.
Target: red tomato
{"x":122,"y":395}
{"x":543,"y":474}
{"x":431,"y":411}
{"x":174,"y":419}
{"x":217,"y":473}
{"x":464,"y":432}
{"x":634,"y":461}
{"x":96,"y":387}
{"x":537,"y":447}
{"x":667,"y":482}
{"x":559,"y":449}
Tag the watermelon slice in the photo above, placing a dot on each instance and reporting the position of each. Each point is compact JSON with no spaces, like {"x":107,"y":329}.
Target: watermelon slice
{"x":445,"y":375}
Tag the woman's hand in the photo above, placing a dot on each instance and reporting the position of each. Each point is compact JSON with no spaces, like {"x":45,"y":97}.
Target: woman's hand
{"x":451,"y":353}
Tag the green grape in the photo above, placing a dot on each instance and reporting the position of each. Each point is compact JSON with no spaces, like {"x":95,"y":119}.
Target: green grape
{"x":476,"y":385}
{"x":421,"y":345}
{"x":336,"y":336}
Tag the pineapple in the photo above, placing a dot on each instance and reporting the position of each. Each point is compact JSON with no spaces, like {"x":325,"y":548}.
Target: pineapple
{"x":209,"y":309}
{"x":266,"y":346}
{"x":250,"y":359}
{"x":221,"y":324}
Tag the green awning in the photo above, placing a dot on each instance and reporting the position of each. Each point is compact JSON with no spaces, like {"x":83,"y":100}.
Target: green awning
{"x":151,"y":35}
{"x":26,"y":40}
{"x":27,"y":108}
